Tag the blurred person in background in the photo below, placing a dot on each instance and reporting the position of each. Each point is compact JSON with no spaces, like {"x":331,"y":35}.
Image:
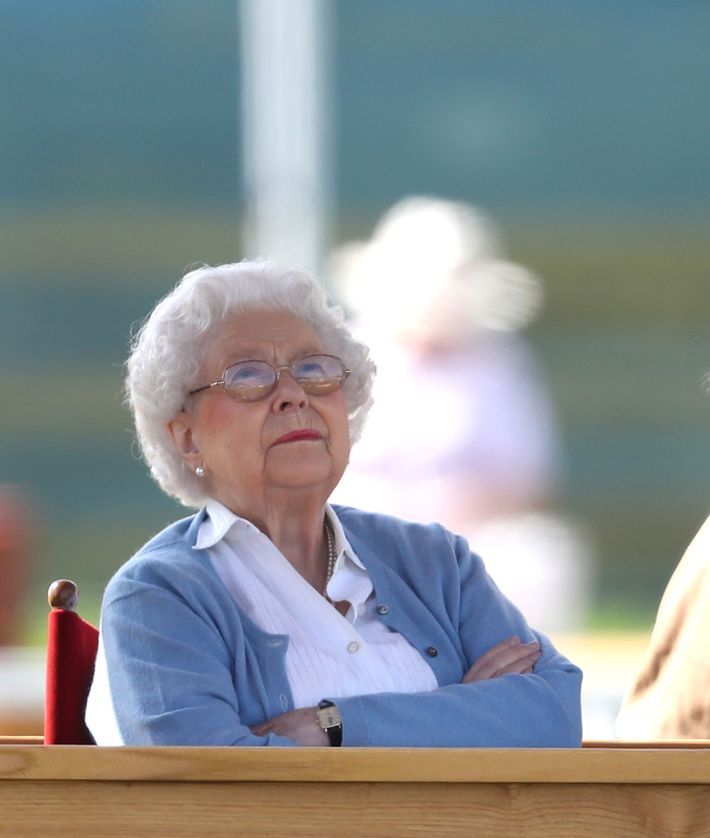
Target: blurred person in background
{"x":16,"y":538}
{"x":670,"y":696}
{"x":270,"y":617}
{"x":462,"y":429}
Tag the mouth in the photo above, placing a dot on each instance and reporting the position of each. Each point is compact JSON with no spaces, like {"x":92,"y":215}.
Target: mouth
{"x":301,"y":435}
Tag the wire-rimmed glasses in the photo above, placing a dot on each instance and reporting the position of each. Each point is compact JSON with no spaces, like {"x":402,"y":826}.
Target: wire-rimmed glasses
{"x":251,"y":380}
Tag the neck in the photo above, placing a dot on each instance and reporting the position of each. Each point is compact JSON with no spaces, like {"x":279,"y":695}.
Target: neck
{"x":306,"y":548}
{"x":294,"y":523}
{"x":302,"y":543}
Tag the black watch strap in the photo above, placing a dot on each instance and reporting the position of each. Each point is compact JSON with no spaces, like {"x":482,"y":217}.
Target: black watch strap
{"x":328,"y":718}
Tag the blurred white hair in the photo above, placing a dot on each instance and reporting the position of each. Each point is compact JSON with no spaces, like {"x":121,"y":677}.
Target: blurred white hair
{"x":435,"y":266}
{"x":168,"y":350}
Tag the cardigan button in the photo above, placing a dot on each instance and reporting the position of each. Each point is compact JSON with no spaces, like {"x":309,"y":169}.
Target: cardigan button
{"x":432,"y":651}
{"x":383,"y":609}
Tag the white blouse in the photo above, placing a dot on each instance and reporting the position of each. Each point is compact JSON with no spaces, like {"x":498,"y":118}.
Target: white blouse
{"x":328,"y":654}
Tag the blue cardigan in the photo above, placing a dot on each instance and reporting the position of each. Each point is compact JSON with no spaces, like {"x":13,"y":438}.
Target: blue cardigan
{"x":187,"y":667}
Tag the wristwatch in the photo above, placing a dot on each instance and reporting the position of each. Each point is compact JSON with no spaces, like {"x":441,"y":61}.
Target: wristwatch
{"x":329,"y":719}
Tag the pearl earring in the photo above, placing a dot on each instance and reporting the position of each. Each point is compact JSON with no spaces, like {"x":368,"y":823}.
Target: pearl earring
{"x":199,"y":471}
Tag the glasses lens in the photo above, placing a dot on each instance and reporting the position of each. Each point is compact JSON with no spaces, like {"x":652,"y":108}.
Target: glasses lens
{"x":249,"y":380}
{"x":319,"y":374}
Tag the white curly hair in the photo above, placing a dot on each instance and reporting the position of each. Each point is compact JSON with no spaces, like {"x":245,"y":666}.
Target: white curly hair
{"x":168,"y":350}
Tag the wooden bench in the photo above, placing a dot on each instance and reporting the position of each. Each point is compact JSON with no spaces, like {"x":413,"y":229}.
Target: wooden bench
{"x":604,"y":789}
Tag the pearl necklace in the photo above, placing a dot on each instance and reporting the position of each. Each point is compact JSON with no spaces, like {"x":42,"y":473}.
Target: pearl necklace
{"x":332,"y":556}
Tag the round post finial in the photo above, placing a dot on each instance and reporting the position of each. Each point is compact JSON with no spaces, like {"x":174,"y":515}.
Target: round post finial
{"x":64,"y":594}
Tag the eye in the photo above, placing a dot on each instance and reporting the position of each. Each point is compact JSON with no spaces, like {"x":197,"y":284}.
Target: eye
{"x":248,"y":373}
{"x":310,"y":368}
{"x":318,"y":367}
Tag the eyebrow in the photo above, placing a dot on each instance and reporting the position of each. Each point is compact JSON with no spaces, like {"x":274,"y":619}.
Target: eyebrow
{"x":258,"y":355}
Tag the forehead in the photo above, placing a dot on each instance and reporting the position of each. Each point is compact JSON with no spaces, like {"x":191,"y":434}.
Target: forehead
{"x":271,"y":335}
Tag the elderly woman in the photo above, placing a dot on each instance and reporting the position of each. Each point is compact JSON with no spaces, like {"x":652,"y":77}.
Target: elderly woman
{"x":270,"y":617}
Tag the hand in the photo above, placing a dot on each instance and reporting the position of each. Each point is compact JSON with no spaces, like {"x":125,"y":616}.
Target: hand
{"x":299,"y":725}
{"x":509,"y":656}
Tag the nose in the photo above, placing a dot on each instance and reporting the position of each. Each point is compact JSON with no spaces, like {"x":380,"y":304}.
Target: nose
{"x":288,"y":395}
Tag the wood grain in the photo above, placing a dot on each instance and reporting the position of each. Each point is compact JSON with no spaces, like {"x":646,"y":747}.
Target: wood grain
{"x":632,"y":791}
{"x":358,"y":809}
{"x":335,"y":765}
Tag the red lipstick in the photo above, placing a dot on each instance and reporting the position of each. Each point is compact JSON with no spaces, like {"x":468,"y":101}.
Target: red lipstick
{"x":299,"y":435}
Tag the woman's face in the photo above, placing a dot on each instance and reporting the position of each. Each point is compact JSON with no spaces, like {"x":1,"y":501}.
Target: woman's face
{"x":240,"y":444}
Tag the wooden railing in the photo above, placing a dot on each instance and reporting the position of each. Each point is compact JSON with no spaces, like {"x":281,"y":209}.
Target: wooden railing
{"x":596,"y":791}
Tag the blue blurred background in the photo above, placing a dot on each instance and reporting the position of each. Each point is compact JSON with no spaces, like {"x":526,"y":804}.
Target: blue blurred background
{"x":581,"y":127}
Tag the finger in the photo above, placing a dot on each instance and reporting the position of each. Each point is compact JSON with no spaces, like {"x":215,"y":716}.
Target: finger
{"x":521,"y":666}
{"x":491,"y":655}
{"x":514,"y":655}
{"x":513,"y":642}
{"x":487,"y":664}
{"x":261,"y":729}
{"x":499,"y":657}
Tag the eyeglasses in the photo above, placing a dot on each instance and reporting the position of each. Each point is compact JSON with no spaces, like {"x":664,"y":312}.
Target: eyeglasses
{"x":249,"y":381}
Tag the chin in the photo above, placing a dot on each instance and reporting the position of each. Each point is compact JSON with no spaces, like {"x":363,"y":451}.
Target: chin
{"x":304,"y":476}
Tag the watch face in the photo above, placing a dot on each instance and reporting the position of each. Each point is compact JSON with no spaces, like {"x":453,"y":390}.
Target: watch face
{"x":328,"y":716}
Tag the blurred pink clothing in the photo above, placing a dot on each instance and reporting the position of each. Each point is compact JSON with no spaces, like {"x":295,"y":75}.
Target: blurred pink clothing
{"x":454,"y":424}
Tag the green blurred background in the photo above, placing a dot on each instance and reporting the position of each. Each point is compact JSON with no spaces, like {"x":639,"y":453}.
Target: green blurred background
{"x":582,"y":128}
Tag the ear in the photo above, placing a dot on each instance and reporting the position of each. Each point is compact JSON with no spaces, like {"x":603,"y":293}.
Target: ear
{"x":180,"y":431}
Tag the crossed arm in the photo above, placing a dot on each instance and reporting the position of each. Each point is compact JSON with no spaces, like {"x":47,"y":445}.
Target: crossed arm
{"x":171,"y":651}
{"x":511,"y":656}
